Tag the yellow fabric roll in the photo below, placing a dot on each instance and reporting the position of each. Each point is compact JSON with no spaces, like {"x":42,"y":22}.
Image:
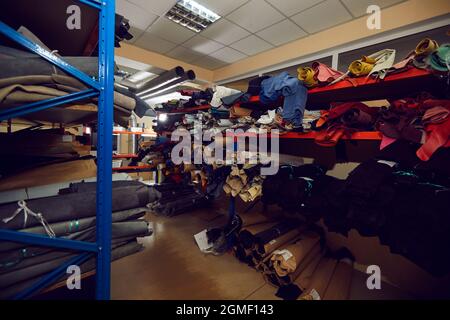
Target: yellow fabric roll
{"x":361,"y":68}
{"x":308,"y":76}
{"x":426,"y":47}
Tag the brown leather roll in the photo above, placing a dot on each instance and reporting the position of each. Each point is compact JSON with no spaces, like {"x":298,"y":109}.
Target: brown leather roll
{"x":339,"y":287}
{"x":286,"y":261}
{"x":320,"y":280}
{"x":308,"y":264}
{"x":271,"y":246}
{"x":253,"y":218}
{"x":246,"y":236}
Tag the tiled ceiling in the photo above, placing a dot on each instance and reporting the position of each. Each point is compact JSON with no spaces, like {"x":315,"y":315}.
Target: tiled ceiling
{"x":247,"y":27}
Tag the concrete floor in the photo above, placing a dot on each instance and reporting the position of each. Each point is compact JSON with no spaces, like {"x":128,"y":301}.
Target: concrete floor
{"x":172,"y":267}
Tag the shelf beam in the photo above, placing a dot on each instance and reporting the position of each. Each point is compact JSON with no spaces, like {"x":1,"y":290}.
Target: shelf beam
{"x":45,"y":241}
{"x":46,"y":104}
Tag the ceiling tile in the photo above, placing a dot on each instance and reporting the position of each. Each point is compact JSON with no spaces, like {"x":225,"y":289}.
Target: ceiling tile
{"x":251,"y":45}
{"x":282,"y":32}
{"x":323,"y":16}
{"x":138,"y":17}
{"x":159,"y":7}
{"x":153,"y":43}
{"x":228,"y":55}
{"x":209,"y":63}
{"x":170,"y":31}
{"x":255,"y":15}
{"x":225,"y":32}
{"x":202,"y":45}
{"x":184,"y":54}
{"x":222,"y":7}
{"x":291,"y":7}
{"x":359,"y":7}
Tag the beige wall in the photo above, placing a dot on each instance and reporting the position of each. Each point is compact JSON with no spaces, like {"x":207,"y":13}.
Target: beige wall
{"x":395,"y":17}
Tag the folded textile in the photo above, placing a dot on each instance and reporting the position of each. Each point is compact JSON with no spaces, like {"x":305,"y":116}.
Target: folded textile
{"x":435,"y":115}
{"x":437,"y":136}
{"x":294,"y":93}
{"x":219,"y":93}
{"x":439,"y":60}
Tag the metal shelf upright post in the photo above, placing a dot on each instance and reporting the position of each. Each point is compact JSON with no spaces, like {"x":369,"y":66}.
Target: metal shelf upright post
{"x":103,"y":88}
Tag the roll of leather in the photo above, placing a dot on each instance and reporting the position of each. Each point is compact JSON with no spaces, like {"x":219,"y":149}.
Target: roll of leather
{"x":286,"y":261}
{"x":247,"y":236}
{"x":304,"y":276}
{"x":361,"y":68}
{"x":72,"y":206}
{"x":426,"y":47}
{"x":253,"y":218}
{"x":262,"y":251}
{"x":303,"y":265}
{"x":339,"y":287}
{"x":308,"y":76}
{"x":320,"y":280}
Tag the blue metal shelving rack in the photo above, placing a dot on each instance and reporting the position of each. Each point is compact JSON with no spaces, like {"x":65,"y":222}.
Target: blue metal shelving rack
{"x":102,"y":88}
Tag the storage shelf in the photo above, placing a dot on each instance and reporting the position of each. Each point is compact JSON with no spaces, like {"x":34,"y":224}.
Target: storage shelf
{"x":394,"y":86}
{"x":103,"y":88}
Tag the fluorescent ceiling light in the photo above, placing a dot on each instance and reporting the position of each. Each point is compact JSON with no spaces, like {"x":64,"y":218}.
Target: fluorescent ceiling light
{"x":192,"y":15}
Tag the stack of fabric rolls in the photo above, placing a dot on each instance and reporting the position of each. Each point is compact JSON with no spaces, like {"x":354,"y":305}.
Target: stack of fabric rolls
{"x":70,"y":215}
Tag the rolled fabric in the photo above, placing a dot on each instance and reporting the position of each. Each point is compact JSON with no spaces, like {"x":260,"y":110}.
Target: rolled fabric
{"x":440,"y":59}
{"x":339,"y":287}
{"x":308,"y":76}
{"x":437,"y":137}
{"x":320,"y":280}
{"x":286,"y":261}
{"x":71,"y":206}
{"x":426,"y":47}
{"x":262,"y":251}
{"x":247,"y":236}
{"x":303,"y":268}
{"x":253,"y":218}
{"x":360,"y":68}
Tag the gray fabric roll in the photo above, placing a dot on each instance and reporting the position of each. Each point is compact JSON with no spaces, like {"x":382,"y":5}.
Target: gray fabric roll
{"x":73,"y":206}
{"x":66,"y":228}
{"x":15,"y":63}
